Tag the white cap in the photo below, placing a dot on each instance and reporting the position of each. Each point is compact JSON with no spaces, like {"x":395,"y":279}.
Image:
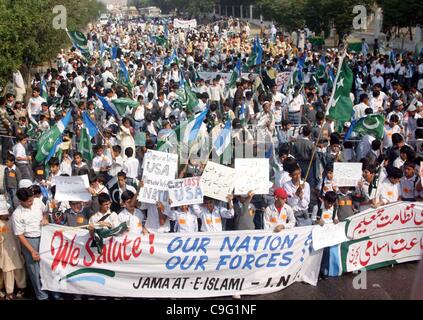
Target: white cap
{"x":25,"y":183}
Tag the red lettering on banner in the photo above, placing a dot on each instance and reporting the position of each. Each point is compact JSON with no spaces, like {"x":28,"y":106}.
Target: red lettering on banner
{"x":89,"y":263}
{"x":367,"y":254}
{"x":66,"y":253}
{"x":135,"y":246}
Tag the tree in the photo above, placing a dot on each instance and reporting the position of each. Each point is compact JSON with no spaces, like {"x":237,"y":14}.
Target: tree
{"x":401,"y":14}
{"x":27,"y":32}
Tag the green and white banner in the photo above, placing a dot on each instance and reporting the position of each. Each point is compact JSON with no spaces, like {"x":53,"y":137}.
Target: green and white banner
{"x":384,"y":236}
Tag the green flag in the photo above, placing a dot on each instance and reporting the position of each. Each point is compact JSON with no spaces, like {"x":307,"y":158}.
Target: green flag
{"x":49,"y":138}
{"x":80,"y":42}
{"x":233,"y":80}
{"x":78,"y":38}
{"x":187,"y":97}
{"x":341,"y":106}
{"x":372,"y":125}
{"x":122,"y":103}
{"x":101,"y":234}
{"x":85,"y":146}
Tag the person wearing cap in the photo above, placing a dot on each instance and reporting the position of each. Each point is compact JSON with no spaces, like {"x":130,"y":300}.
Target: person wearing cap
{"x":411,"y":124}
{"x":27,"y":222}
{"x":279,"y":216}
{"x":398,"y":108}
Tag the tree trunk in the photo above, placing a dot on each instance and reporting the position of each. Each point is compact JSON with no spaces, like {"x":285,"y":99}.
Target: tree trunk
{"x":410,"y":28}
{"x":26,"y":75}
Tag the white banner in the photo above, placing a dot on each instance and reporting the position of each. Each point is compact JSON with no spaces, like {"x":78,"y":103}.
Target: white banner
{"x":186,"y":191}
{"x":226,"y":76}
{"x":159,"y":169}
{"x":252,"y":175}
{"x":72,"y":188}
{"x":387,"y":235}
{"x":218,"y":181}
{"x":173,"y":265}
{"x":184,"y":24}
{"x":347,"y":174}
{"x":329,"y":235}
{"x":391,"y":218}
{"x":384,"y":250}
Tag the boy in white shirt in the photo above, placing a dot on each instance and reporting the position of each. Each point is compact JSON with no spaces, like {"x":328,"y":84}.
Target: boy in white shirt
{"x":131,"y":166}
{"x":101,"y":162}
{"x":279,"y":216}
{"x":186,"y":221}
{"x":390,"y":129}
{"x":389,"y":189}
{"x":408,"y":183}
{"x":328,"y":212}
{"x":104,"y":218}
{"x":134,"y":217}
{"x":211,"y":215}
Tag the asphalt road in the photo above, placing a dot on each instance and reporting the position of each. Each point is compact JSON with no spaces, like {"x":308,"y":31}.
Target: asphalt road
{"x":389,"y":283}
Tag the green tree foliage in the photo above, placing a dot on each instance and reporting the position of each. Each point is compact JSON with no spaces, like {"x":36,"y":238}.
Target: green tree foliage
{"x":27,"y":35}
{"x":194,"y":7}
{"x":318,"y":15}
{"x":401,"y":13}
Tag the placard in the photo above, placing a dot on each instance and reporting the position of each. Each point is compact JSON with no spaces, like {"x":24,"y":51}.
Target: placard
{"x":252,"y":175}
{"x":186,"y":191}
{"x":158,"y":169}
{"x":218,"y":181}
{"x":72,"y":188}
{"x":347,"y":174}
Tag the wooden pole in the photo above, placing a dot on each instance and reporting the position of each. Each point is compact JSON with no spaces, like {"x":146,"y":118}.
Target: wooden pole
{"x":344,"y":48}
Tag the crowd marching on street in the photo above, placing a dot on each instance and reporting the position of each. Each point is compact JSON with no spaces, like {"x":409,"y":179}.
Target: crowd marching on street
{"x":131,"y":86}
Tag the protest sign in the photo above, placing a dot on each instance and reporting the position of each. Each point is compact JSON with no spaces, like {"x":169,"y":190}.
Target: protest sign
{"x":218,"y":181}
{"x":72,"y":188}
{"x":252,"y":175}
{"x":347,"y":174}
{"x":158,"y":169}
{"x":329,"y":235}
{"x":281,"y":79}
{"x":184,"y":24}
{"x":379,"y":237}
{"x":186,"y":191}
{"x":183,"y":265}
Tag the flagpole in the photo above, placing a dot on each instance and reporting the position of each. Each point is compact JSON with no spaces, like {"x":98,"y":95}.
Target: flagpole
{"x":344,"y":53}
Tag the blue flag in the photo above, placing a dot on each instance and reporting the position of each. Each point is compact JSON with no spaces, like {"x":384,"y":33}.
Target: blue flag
{"x":223,"y":140}
{"x":124,"y":70}
{"x":259,"y":52}
{"x":109,"y":106}
{"x":238,"y":67}
{"x":197,"y":125}
{"x":54,"y":149}
{"x":89,"y":124}
{"x":114,"y":53}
